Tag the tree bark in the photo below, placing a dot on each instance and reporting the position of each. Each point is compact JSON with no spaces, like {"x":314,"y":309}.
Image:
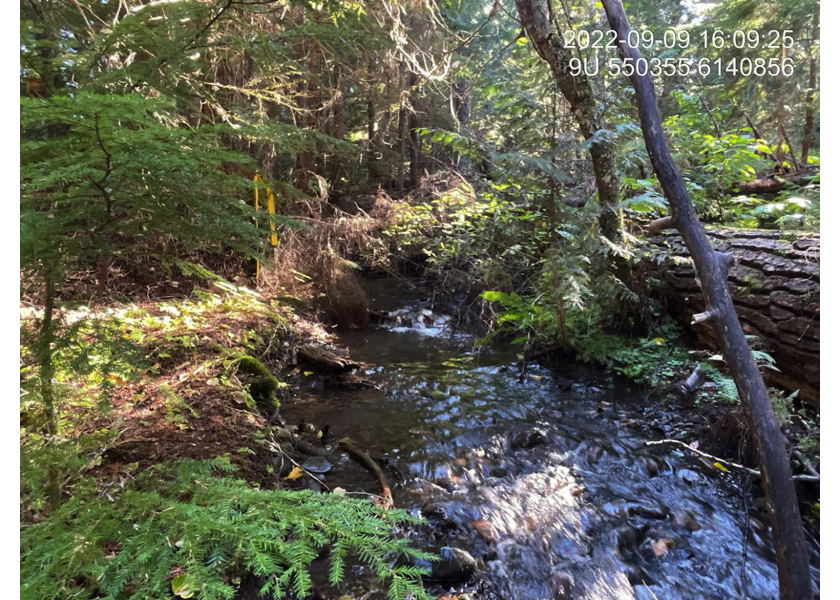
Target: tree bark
{"x":780,"y":118}
{"x":311,"y":103}
{"x":338,"y":127}
{"x":712,"y":267}
{"x":413,"y":136}
{"x":46,"y":371}
{"x":402,"y":125}
{"x":775,"y":286}
{"x":813,"y":68}
{"x":373,"y":168}
{"x":45,"y":354}
{"x":535,"y":17}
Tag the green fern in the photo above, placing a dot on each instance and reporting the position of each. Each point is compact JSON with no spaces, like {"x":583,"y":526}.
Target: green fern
{"x":194,"y":520}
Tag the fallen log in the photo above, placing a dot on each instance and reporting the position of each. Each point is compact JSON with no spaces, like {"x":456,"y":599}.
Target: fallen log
{"x":367,"y":462}
{"x":322,"y":359}
{"x":772,"y":185}
{"x":775,"y":285}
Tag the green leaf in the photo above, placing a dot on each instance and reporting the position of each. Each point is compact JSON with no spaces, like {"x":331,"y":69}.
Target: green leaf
{"x":182,"y":587}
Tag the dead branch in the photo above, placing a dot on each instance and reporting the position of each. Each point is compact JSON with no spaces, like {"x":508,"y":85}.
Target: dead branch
{"x":368,"y":463}
{"x":729,"y":464}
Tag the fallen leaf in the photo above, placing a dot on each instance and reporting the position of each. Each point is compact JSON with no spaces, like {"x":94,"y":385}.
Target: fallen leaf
{"x":721,"y":467}
{"x":659,"y":547}
{"x":485,"y":530}
{"x":296,"y":472}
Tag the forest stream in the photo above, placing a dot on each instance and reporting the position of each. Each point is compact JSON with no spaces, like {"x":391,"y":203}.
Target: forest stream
{"x":538,"y":478}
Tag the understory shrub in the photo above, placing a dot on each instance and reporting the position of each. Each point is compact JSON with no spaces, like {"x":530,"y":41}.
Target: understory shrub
{"x":191,"y":529}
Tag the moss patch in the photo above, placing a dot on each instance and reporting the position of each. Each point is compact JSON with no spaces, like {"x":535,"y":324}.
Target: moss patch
{"x":261,"y":383}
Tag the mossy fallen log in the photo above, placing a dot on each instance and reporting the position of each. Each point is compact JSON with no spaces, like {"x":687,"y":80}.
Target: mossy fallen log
{"x":775,"y":285}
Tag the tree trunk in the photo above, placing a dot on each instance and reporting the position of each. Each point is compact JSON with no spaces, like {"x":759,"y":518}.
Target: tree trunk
{"x":46,"y":371}
{"x":775,"y":286}
{"x":311,"y":103}
{"x":413,"y":136}
{"x":373,"y":170}
{"x":781,"y":115}
{"x":808,"y":132}
{"x":45,"y":354}
{"x":712,"y":267}
{"x":534,"y":15}
{"x":402,"y":124}
{"x":338,"y":128}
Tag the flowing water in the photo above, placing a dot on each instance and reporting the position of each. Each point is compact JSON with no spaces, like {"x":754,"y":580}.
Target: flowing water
{"x":539,"y":478}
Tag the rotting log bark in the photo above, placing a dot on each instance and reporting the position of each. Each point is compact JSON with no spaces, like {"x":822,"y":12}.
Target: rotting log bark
{"x":322,"y":359}
{"x":775,"y":285}
{"x":712,"y":267}
{"x":772,"y":185}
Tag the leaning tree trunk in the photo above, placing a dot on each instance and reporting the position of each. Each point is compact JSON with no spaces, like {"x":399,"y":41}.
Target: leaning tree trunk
{"x":712,"y":267}
{"x":775,"y":285}
{"x":537,"y":21}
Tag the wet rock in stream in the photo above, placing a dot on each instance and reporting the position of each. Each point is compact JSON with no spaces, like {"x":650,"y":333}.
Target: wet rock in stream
{"x":685,"y":519}
{"x":316,"y":465}
{"x":527,"y":439}
{"x":561,"y":584}
{"x":628,"y":539}
{"x":453,"y":566}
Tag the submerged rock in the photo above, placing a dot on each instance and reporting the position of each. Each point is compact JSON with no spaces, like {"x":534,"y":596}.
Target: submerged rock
{"x":651,"y":466}
{"x":455,"y":565}
{"x":637,"y":576}
{"x":431,"y":510}
{"x":628,"y":539}
{"x":686,"y":520}
{"x":561,"y":584}
{"x":527,"y":439}
{"x":688,"y":476}
{"x":647,"y":511}
{"x":282,"y":465}
{"x":594,"y":454}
